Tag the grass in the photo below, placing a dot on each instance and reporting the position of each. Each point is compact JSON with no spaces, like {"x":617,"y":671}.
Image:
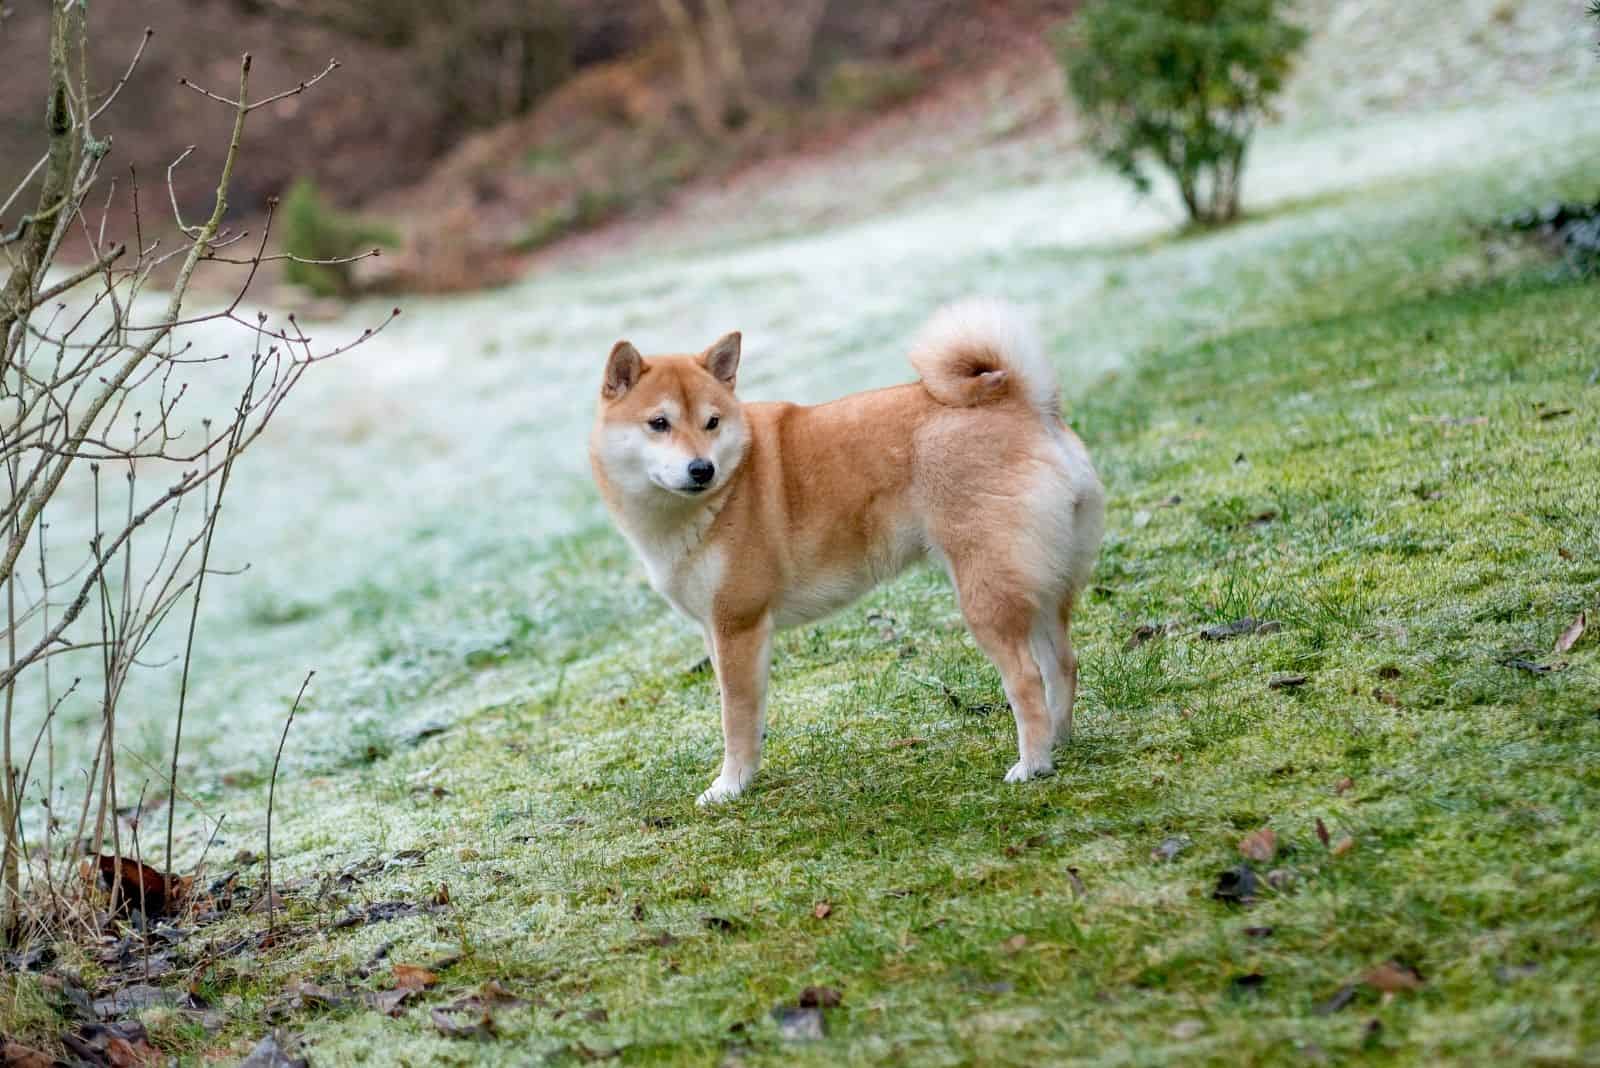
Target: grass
{"x":1344,"y":421}
{"x":1377,"y":468}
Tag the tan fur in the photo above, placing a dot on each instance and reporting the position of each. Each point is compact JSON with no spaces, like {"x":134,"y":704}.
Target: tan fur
{"x":810,"y":507}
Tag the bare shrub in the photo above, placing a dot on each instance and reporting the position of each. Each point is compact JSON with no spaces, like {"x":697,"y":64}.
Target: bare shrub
{"x":119,"y":431}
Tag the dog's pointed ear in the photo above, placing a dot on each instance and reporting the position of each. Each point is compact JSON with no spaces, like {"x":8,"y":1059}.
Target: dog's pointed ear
{"x":623,"y":368}
{"x":722,"y":359}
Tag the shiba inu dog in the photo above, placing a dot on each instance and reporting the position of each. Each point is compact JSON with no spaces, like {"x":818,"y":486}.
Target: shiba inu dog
{"x":750,"y":517}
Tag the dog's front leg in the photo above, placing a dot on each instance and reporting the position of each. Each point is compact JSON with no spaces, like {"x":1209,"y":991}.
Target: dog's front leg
{"x":742,"y":654}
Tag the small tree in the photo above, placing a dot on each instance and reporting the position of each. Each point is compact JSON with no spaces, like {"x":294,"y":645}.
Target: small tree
{"x":1182,"y":83}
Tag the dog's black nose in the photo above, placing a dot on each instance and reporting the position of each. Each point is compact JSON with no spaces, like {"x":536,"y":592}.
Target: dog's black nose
{"x":701,"y":471}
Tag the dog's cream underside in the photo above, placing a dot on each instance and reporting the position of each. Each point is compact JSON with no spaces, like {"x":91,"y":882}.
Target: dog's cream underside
{"x":816,"y":505}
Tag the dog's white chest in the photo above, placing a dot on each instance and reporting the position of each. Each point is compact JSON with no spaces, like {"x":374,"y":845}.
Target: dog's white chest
{"x":682,"y":567}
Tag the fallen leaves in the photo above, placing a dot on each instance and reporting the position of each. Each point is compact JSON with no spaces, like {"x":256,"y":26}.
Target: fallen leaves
{"x":470,"y":1017}
{"x":1222,"y":632}
{"x":413,"y":977}
{"x":478,"y":1027}
{"x":1260,"y":846}
{"x":381,"y":912}
{"x":118,"y":1045}
{"x":1532,"y":667}
{"x":1574,"y":631}
{"x":16,"y":1055}
{"x":1322,"y":832}
{"x":1343,"y":846}
{"x":1146,"y":632}
{"x":822,"y":910}
{"x":1392,"y":976}
{"x":820,"y":997}
{"x":1236,"y":886}
{"x":271,"y":1053}
{"x":136,"y":885}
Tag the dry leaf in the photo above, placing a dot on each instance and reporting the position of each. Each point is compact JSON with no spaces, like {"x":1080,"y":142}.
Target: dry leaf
{"x":1016,"y":943}
{"x":16,"y":1055}
{"x":1344,"y":785}
{"x":1322,"y":832}
{"x":906,"y":743}
{"x":1343,"y":846}
{"x":822,"y":910}
{"x":142,"y":887}
{"x":820,"y":997}
{"x":441,"y":896}
{"x":413,"y":977}
{"x":1570,"y":636}
{"x":482,"y":1027}
{"x":390,"y":1002}
{"x":1260,"y":846}
{"x":1236,"y":885}
{"x":1392,"y":976}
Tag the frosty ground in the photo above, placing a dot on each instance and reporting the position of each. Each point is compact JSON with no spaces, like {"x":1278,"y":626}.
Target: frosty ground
{"x":1357,"y":415}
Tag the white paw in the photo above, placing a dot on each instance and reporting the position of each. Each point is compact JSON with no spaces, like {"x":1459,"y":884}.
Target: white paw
{"x":1023,"y":770}
{"x":721,"y":789}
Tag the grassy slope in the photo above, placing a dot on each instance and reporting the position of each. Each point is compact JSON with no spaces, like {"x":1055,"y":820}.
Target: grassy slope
{"x":1406,"y":556}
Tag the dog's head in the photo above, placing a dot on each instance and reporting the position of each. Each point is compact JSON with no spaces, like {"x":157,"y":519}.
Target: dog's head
{"x":670,"y":424}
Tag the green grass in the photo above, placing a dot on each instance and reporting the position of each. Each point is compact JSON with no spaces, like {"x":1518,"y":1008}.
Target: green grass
{"x":1366,"y":454}
{"x":1373,"y":471}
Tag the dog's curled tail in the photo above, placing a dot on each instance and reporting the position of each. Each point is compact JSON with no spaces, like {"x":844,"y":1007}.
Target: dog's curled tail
{"x":983,"y":350}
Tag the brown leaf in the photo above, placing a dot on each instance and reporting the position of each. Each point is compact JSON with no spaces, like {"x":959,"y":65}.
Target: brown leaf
{"x":479,"y":1027}
{"x":142,"y":887}
{"x":1570,"y":636}
{"x":1344,"y":785}
{"x":822,"y":910}
{"x":1564,"y":552}
{"x":1260,"y":846}
{"x":1322,"y":832}
{"x":1392,"y":976}
{"x":1343,"y":846}
{"x":1383,"y":696}
{"x":906,"y":743}
{"x":820,"y":997}
{"x":441,"y":896}
{"x":413,"y":977}
{"x":16,"y":1055}
{"x":390,"y":1002}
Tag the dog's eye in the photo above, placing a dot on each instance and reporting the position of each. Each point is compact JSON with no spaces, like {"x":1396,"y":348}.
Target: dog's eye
{"x":711,"y":424}
{"x":659,"y":424}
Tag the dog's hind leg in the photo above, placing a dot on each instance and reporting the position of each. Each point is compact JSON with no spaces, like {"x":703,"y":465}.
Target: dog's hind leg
{"x":1050,"y":642}
{"x":1003,"y":623}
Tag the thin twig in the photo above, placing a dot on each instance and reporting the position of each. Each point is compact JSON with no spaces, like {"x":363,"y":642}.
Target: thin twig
{"x":272,"y":792}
